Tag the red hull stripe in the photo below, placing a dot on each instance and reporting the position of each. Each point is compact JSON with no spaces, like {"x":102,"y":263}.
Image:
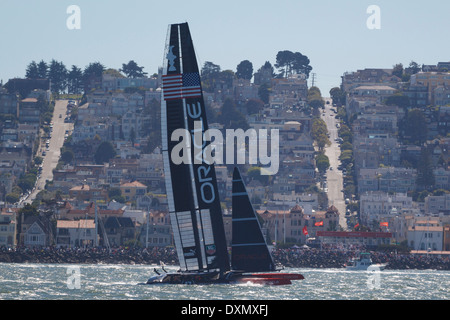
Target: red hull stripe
{"x":266,"y":281}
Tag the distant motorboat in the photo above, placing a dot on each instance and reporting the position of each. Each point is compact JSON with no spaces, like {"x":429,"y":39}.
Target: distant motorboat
{"x":363,"y":262}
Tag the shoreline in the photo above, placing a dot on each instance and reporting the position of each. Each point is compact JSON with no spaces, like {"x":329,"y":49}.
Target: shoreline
{"x":312,"y":258}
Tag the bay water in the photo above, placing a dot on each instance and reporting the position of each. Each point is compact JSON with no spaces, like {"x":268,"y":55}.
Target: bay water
{"x":122,"y":282}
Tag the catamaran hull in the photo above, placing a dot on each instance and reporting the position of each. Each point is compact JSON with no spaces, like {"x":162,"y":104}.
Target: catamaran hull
{"x":229,"y":278}
{"x":268,"y":278}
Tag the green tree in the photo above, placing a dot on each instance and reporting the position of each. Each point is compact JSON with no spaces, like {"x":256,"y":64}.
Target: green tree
{"x":346,"y":157}
{"x":284,"y":62}
{"x":319,"y":133}
{"x":398,"y":100}
{"x":264,"y":93}
{"x":346,"y":146}
{"x":226,"y":78}
{"x":322,"y":162}
{"x":414,"y":67}
{"x":43,"y":105}
{"x":338,"y":96}
{"x":231,"y":118}
{"x":132,"y":70}
{"x":75,"y":80}
{"x":244,"y":70}
{"x":57,"y":74}
{"x":27,"y":181}
{"x":316,"y":103}
{"x":398,"y":70}
{"x":32,"y":71}
{"x":315,"y":100}
{"x":114,"y":72}
{"x":132,"y":136}
{"x":42,"y":70}
{"x":112,"y":192}
{"x":301,"y":64}
{"x":38,"y":160}
{"x":345,"y":133}
{"x":93,"y":71}
{"x":67,"y":156}
{"x":289,"y":62}
{"x":264,"y":74}
{"x":210,"y":68}
{"x":28,"y":210}
{"x":425,"y":175}
{"x":116,"y":194}
{"x":153,"y":129}
{"x":413,"y":127}
{"x":319,"y":127}
{"x":213,"y":77}
{"x":12,"y":197}
{"x":254,"y":106}
{"x":104,"y":153}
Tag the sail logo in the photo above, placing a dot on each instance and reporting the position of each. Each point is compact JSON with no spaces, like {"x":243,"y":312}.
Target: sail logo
{"x":190,"y":252}
{"x":210,"y":249}
{"x":207,"y":146}
{"x":171,"y":58}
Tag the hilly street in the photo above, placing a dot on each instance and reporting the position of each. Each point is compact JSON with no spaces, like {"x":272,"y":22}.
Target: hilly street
{"x":334,"y":176}
{"x":52,"y":153}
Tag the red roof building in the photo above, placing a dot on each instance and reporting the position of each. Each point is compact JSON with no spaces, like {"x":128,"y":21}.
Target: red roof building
{"x":353,"y":237}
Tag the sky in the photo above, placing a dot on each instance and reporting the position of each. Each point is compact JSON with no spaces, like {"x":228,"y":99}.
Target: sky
{"x":332,"y":33}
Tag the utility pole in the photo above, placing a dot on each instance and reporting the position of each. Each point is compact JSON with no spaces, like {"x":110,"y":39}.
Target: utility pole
{"x":313,"y":80}
{"x":96,"y":225}
{"x":148,"y":221}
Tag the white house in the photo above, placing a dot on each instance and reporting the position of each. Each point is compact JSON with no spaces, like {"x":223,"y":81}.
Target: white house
{"x":7,"y":228}
{"x":426,"y":235}
{"x":35,"y":235}
{"x":77,"y":233}
{"x":379,"y":205}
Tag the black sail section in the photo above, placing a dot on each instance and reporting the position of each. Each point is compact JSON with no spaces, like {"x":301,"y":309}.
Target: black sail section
{"x":209,"y":213}
{"x":191,"y":187}
{"x":178,"y":186}
{"x":249,"y":249}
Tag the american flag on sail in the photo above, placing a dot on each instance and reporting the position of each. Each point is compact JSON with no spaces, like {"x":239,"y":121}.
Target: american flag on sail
{"x":179,"y":86}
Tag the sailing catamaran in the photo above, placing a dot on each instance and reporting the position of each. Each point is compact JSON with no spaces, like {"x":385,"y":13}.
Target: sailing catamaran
{"x":192,"y":192}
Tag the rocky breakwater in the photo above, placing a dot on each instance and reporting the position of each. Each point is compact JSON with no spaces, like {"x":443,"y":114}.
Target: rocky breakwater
{"x":291,"y":258}
{"x":409,"y":261}
{"x":89,"y":256}
{"x":332,"y":258}
{"x":311,"y":258}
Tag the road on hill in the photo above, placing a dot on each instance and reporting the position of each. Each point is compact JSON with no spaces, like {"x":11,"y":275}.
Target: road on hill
{"x":334,"y":176}
{"x":52,"y":153}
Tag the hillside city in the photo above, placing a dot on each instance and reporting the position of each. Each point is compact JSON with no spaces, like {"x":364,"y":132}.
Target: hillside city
{"x":367,"y":163}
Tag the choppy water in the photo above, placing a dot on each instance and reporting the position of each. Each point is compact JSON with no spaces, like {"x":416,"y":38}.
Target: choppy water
{"x":120,"y":282}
